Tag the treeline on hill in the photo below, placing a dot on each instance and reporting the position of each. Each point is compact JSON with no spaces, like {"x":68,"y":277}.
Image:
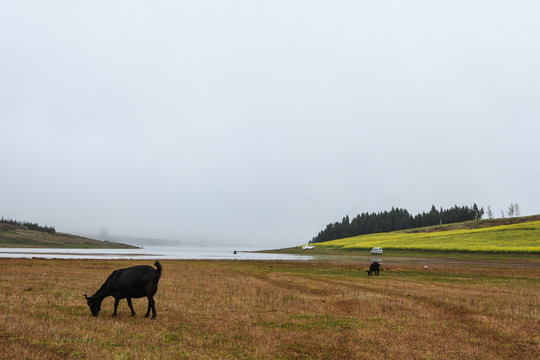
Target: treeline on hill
{"x":395,"y":219}
{"x":29,"y":225}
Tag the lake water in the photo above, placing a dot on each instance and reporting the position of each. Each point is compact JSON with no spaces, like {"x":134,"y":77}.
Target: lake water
{"x":148,"y":253}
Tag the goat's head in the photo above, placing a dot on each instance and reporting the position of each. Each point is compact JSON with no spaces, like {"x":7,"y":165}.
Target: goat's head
{"x":94,"y":304}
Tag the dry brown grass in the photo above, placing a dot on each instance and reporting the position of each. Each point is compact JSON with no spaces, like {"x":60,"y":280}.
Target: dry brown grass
{"x":273,"y":310}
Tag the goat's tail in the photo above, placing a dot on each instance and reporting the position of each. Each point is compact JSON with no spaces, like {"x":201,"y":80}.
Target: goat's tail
{"x":159,"y":268}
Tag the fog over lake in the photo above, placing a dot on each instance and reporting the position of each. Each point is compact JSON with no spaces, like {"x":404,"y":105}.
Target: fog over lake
{"x":260,"y":122}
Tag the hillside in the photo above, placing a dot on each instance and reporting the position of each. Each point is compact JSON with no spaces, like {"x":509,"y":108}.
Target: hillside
{"x":20,"y":236}
{"x":516,"y":235}
{"x":394,"y":220}
{"x":471,"y":225}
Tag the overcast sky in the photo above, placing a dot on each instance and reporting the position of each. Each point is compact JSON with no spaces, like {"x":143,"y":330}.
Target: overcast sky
{"x":259,"y":122}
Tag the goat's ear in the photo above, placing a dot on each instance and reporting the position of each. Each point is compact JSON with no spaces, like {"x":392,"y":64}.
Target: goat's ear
{"x":85,"y":296}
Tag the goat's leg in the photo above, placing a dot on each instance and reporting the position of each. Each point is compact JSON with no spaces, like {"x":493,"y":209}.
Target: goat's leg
{"x":131,"y":306}
{"x":116,"y":301}
{"x":151,"y":306}
{"x":153,"y":303}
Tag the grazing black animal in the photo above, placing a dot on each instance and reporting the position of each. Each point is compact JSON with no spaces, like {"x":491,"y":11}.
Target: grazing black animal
{"x":134,"y":282}
{"x":374,"y":268}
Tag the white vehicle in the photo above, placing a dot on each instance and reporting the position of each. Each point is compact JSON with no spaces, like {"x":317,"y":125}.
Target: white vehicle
{"x":376,"y":251}
{"x":308,"y":247}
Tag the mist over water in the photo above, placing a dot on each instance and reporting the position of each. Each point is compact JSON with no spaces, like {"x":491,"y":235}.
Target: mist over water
{"x":201,"y":244}
{"x":262,"y":122}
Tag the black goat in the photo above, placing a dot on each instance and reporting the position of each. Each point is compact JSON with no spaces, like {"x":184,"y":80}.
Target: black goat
{"x":374,"y":268}
{"x":134,"y":282}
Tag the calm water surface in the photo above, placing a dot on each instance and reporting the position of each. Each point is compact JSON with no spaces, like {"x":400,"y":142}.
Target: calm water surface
{"x":157,"y":253}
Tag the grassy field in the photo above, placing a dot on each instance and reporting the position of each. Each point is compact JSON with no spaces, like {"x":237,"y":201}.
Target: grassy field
{"x":514,"y":238}
{"x":15,"y":236}
{"x":277,"y":310}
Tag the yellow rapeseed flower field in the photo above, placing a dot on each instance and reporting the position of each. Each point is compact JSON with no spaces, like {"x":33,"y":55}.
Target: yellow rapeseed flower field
{"x":516,"y":238}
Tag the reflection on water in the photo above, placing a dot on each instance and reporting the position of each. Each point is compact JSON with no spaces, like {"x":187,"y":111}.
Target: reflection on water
{"x":167,"y":253}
